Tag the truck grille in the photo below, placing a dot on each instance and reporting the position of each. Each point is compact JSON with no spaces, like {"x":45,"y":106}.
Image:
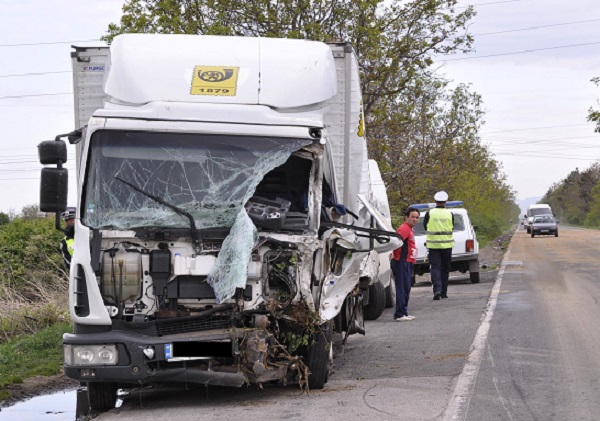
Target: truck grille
{"x":171,"y":327}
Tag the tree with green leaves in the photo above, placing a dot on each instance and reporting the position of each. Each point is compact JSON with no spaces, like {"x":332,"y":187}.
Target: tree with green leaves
{"x":573,"y":198}
{"x":594,"y":115}
{"x":592,"y":218}
{"x":394,"y":40}
{"x":423,"y":134}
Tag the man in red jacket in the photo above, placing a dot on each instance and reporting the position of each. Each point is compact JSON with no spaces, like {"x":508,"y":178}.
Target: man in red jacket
{"x":402,"y":264}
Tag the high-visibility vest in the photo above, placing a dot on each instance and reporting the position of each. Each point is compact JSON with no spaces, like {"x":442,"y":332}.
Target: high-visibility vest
{"x":70,"y":242}
{"x":439,"y":229}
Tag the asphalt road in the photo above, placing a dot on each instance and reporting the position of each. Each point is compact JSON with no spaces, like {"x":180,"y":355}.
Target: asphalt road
{"x":542,"y":359}
{"x":521,"y":345}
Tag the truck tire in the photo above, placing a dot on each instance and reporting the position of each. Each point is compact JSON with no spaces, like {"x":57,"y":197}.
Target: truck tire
{"x":390,"y":295}
{"x":474,"y":277}
{"x":102,"y":396}
{"x":320,"y":357}
{"x":376,"y":301}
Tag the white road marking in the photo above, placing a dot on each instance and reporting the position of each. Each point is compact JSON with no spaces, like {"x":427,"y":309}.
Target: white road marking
{"x":458,"y":406}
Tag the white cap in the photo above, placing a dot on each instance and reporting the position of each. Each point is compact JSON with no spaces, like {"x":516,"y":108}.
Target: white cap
{"x":441,"y":196}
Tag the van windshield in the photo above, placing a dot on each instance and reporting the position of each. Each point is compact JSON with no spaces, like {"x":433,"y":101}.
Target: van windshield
{"x":209,"y":176}
{"x":540,"y":211}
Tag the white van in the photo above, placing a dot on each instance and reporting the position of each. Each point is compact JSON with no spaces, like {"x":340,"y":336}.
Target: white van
{"x":535,"y":210}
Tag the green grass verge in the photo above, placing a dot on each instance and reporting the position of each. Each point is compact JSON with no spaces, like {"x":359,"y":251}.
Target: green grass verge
{"x":39,"y":354}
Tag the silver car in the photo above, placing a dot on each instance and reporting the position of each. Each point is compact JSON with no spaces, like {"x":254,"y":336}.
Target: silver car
{"x":544,"y":225}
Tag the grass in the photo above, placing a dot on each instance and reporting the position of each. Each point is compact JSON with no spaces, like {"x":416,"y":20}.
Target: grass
{"x":38,"y":354}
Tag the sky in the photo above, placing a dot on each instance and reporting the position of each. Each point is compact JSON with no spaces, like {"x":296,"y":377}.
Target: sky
{"x":532,"y":65}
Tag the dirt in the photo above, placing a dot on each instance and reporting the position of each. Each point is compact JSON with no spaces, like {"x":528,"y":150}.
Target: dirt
{"x":490,"y":257}
{"x":36,"y":386}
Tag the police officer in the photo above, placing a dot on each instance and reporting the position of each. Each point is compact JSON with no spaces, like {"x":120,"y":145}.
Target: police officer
{"x":439,"y":223}
{"x":67,"y":244}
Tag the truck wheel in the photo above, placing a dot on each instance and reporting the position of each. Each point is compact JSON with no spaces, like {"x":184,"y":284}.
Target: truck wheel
{"x":320,"y":357}
{"x":376,"y":301}
{"x":102,"y":396}
{"x":390,"y":295}
{"x":474,"y":277}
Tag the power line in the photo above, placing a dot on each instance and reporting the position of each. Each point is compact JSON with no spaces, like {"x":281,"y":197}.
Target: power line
{"x":19,"y":179}
{"x":532,"y":28}
{"x":540,"y":127}
{"x":558,"y":157}
{"x":487,"y":4}
{"x":558,"y":149}
{"x":520,"y":141}
{"x":34,"y":95}
{"x":47,"y":43}
{"x":35,"y":74}
{"x":524,"y":51}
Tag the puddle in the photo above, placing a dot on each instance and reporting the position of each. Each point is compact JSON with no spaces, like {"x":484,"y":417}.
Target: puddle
{"x":69,"y":404}
{"x":56,"y":406}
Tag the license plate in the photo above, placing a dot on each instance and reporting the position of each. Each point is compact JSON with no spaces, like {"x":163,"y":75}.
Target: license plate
{"x":544,"y":230}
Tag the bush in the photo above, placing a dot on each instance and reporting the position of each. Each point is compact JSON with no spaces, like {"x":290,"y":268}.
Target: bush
{"x":29,"y":251}
{"x":32,"y":355}
{"x":33,"y":278}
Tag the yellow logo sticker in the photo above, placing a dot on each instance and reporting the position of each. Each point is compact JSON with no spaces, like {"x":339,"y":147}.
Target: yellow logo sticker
{"x":214,"y":81}
{"x":361,"y":122}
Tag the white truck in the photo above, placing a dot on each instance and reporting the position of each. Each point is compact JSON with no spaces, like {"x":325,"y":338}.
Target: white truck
{"x":535,"y":210}
{"x":226,"y":228}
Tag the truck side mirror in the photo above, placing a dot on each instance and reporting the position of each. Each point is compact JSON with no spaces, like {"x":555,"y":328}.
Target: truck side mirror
{"x":54,"y":182}
{"x":54,"y":186}
{"x":52,"y":152}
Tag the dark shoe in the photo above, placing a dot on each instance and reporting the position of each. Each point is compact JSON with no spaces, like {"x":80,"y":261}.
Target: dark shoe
{"x":437,"y":296}
{"x":444,"y":295}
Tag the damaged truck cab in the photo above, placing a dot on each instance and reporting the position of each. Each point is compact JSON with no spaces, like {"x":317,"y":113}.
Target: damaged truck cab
{"x":226,"y":232}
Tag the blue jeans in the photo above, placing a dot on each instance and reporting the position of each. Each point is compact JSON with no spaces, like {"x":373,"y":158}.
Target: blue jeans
{"x":402,"y":274}
{"x":440,"y":262}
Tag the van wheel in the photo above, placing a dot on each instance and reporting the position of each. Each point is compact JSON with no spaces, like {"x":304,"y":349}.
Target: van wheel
{"x":102,"y":396}
{"x":320,"y":357}
{"x":474,"y":277}
{"x":390,"y":294}
{"x":376,"y":301}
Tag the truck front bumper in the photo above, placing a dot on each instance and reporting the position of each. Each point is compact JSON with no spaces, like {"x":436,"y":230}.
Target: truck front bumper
{"x":208,"y":357}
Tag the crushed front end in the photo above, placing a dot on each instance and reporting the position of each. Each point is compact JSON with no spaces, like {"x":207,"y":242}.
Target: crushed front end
{"x":195,"y":259}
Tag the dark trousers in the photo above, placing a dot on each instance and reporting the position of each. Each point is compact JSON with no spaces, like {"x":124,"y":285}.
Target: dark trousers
{"x":402,"y":274}
{"x":439,"y":261}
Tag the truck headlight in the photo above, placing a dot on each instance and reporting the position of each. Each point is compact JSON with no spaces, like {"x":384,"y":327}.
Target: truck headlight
{"x":77,"y":355}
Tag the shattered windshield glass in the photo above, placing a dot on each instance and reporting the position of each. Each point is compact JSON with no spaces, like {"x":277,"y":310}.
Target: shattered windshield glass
{"x":208,"y":176}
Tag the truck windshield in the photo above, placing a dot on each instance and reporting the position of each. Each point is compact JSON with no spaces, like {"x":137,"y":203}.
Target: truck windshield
{"x":209,"y":176}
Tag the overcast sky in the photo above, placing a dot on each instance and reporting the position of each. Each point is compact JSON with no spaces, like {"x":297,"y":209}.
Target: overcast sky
{"x":536,"y":102}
